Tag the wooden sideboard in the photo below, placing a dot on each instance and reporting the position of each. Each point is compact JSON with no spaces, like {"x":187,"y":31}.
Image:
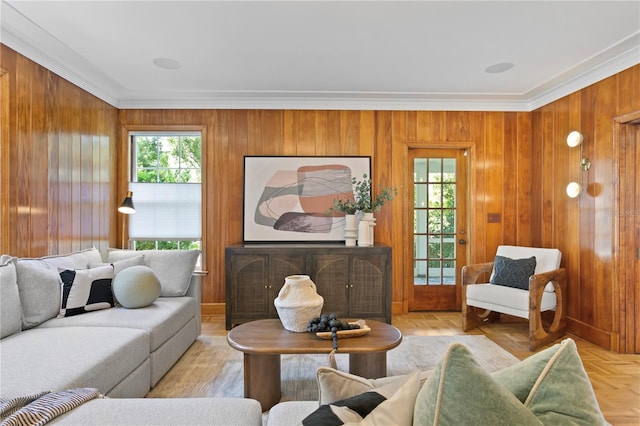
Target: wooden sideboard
{"x":355,"y":282}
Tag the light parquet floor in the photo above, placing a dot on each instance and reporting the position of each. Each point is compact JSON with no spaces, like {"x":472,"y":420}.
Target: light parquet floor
{"x":615,"y":377}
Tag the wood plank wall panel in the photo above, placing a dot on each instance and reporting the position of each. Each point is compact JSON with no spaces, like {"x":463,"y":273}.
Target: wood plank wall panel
{"x":519,"y":167}
{"x":485,"y":135}
{"x":4,"y":157}
{"x":58,"y":172}
{"x":230,"y":135}
{"x":583,"y":228}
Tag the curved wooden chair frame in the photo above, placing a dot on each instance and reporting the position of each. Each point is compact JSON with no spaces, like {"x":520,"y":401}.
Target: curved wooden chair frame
{"x":473,"y":317}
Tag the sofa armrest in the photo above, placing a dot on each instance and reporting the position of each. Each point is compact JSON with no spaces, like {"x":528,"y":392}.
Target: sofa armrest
{"x":195,"y":291}
{"x":471,"y":273}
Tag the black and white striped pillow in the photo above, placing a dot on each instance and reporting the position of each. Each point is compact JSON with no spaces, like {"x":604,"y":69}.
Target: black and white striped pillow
{"x":86,"y":290}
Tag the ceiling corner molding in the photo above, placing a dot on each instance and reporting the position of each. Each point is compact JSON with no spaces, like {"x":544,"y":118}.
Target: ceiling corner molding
{"x":17,"y":30}
{"x":619,"y":63}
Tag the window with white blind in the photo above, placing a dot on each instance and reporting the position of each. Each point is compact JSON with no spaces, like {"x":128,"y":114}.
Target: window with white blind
{"x":166,"y":184}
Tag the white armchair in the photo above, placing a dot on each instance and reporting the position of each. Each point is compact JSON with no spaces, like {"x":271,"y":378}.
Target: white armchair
{"x":545,"y":290}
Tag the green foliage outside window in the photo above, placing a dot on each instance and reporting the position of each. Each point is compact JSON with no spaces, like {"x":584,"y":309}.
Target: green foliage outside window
{"x":168,"y":159}
{"x":441,"y":216}
{"x":166,"y":245}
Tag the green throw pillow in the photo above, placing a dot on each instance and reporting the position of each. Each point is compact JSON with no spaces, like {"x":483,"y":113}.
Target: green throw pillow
{"x":554,"y":386}
{"x":461,"y":392}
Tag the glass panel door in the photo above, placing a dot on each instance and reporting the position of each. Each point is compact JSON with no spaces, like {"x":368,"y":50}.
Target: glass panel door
{"x":439,"y":225}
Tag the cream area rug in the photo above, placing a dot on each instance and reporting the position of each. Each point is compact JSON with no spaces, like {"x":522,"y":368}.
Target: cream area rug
{"x":211,"y":368}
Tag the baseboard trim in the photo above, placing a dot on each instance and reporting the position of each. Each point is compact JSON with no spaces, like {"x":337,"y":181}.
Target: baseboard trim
{"x":590,"y":333}
{"x":212,"y":309}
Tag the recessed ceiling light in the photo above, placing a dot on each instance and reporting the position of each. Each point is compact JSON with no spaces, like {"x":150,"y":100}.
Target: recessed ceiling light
{"x":501,"y":67}
{"x":167,"y":63}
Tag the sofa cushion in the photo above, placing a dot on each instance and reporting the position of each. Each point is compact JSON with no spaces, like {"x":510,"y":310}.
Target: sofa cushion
{"x":76,"y":260}
{"x":386,"y":405}
{"x":161,"y":320}
{"x":290,"y":413}
{"x":509,"y":300}
{"x":554,"y":386}
{"x":334,"y":385}
{"x":136,"y":287}
{"x":513,"y":272}
{"x":10,"y":308}
{"x":39,"y":283}
{"x":172,"y":267}
{"x":39,"y":286}
{"x":165,"y":411}
{"x":460,"y":391}
{"x":51,"y":359}
{"x":86,"y":290}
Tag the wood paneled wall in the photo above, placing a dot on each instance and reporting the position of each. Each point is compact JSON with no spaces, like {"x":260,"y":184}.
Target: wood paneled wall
{"x":584,"y":227}
{"x":500,"y":158}
{"x":64,"y":171}
{"x":58,"y":168}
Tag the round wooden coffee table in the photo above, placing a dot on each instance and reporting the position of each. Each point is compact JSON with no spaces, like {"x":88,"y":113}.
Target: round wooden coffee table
{"x":263,"y":341}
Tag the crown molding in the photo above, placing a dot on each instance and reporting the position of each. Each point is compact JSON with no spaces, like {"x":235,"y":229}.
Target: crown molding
{"x":597,"y":69}
{"x":327,"y":101}
{"x":20,"y":34}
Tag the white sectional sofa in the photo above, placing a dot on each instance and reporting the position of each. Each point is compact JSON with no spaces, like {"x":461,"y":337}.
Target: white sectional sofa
{"x":121,"y":352}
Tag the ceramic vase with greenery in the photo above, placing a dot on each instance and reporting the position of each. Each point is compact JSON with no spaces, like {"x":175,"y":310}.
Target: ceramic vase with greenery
{"x":362,"y":200}
{"x":348,"y":207}
{"x":365,"y":201}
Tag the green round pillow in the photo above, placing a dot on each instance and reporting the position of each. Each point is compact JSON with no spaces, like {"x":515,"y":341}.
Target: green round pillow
{"x":136,"y":287}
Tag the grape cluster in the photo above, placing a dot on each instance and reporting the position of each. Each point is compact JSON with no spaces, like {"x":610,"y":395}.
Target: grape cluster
{"x":330,"y":322}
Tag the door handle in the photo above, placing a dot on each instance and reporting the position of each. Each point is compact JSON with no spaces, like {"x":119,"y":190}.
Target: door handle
{"x":462,"y":241}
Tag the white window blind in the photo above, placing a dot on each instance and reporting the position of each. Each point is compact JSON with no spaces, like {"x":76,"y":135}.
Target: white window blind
{"x":166,"y":211}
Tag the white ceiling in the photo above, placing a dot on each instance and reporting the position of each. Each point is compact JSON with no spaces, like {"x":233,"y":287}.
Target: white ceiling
{"x":422,"y":55}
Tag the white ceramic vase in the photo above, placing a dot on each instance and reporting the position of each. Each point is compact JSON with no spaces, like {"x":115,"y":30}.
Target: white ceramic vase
{"x":350,"y":230}
{"x":298,"y":302}
{"x":365,"y":229}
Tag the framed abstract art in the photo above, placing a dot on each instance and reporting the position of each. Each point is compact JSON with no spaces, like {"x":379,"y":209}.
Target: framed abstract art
{"x":289,"y":198}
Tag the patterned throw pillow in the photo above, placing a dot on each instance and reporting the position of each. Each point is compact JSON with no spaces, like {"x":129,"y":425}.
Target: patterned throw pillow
{"x":86,"y":290}
{"x":513,"y":272}
{"x":386,"y":405}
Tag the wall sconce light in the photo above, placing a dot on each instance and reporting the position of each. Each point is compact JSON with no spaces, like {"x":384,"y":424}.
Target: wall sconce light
{"x":126,"y":208}
{"x":574,"y":139}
